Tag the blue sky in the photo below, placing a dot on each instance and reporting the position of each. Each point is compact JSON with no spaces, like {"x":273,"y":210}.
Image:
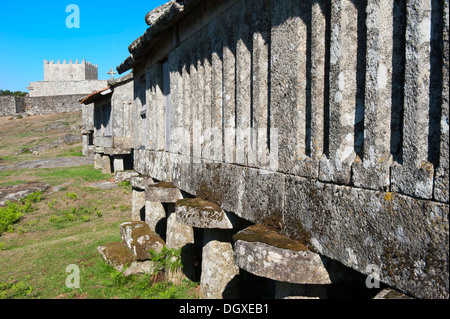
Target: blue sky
{"x":31,"y":31}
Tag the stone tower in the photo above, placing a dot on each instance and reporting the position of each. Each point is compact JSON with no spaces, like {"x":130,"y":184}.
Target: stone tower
{"x":70,"y":71}
{"x":67,"y":79}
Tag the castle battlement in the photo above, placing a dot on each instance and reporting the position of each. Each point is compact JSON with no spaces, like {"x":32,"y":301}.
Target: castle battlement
{"x":70,"y":71}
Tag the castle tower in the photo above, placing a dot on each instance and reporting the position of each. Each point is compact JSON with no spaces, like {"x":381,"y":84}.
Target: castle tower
{"x":70,"y":71}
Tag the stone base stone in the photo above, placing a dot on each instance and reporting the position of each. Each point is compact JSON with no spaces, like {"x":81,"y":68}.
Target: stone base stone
{"x":122,"y":176}
{"x":218,"y":267}
{"x":118,"y":163}
{"x":98,"y":161}
{"x":118,"y":256}
{"x":181,"y":236}
{"x":155,"y":216}
{"x":106,"y":165}
{"x":137,"y":205}
{"x":140,"y":239}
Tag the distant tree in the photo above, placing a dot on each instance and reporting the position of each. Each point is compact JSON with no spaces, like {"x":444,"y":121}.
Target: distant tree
{"x":16,"y":93}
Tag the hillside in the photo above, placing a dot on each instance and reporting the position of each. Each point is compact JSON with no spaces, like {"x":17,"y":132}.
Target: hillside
{"x":63,"y":225}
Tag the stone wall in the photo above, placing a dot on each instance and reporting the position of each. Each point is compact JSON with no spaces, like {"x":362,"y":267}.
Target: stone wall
{"x":55,"y":88}
{"x":10,"y":105}
{"x":40,"y":105}
{"x":324,"y":120}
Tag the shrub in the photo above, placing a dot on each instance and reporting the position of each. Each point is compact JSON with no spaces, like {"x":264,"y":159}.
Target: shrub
{"x":13,"y":211}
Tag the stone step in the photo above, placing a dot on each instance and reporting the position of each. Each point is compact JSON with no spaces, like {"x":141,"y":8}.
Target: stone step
{"x":140,"y":239}
{"x":162,"y":192}
{"x":116,"y":255}
{"x":140,"y":182}
{"x":266,"y":253}
{"x":199,"y":213}
{"x":121,"y":258}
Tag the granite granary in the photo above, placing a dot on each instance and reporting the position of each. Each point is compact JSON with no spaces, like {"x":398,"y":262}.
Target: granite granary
{"x":293,"y":149}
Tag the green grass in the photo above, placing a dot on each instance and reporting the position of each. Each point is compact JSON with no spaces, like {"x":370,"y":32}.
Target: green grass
{"x":83,"y":173}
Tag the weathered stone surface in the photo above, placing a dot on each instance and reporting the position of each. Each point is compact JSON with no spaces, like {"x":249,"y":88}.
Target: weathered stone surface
{"x":218,"y":266}
{"x":180,"y":236}
{"x":198,"y":213}
{"x":70,"y":139}
{"x":140,"y":239}
{"x":118,"y":163}
{"x":389,"y":293}
{"x":155,"y":214}
{"x":118,"y":255}
{"x":137,"y":205}
{"x":106,"y":165}
{"x":268,"y":254}
{"x":17,"y":192}
{"x":162,"y":192}
{"x":122,"y":176}
{"x":140,"y":182}
{"x":218,"y":269}
{"x":137,"y":268}
{"x":406,"y":237}
{"x":98,"y":161}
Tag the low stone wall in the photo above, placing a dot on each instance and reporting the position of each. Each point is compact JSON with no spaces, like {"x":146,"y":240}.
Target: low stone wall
{"x":10,"y":105}
{"x":52,"y":88}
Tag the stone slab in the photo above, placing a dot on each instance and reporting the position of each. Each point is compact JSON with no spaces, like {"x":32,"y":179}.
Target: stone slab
{"x":199,"y":213}
{"x":162,"y":192}
{"x":266,"y":253}
{"x":122,"y":176}
{"x":140,"y":239}
{"x":140,"y":182}
{"x":116,"y":255}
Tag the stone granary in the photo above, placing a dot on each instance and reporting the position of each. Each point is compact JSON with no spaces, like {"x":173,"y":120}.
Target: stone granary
{"x":107,"y":126}
{"x":305,"y":142}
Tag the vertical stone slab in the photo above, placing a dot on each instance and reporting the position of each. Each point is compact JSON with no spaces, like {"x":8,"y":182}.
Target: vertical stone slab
{"x":118,"y":163}
{"x":216,"y":35}
{"x":243,"y":86}
{"x":229,"y":85}
{"x":207,"y":93}
{"x":218,"y":266}
{"x":317,"y":104}
{"x":289,"y":52}
{"x":176,"y":97}
{"x":98,"y":161}
{"x":372,"y":171}
{"x":336,"y":165}
{"x":195,"y":129}
{"x":154,"y":216}
{"x":180,"y":236}
{"x":137,"y":205}
{"x":259,"y":153}
{"x":185,"y":121}
{"x":442,"y":172}
{"x":414,"y":176}
{"x":151,"y":126}
{"x":106,"y":165}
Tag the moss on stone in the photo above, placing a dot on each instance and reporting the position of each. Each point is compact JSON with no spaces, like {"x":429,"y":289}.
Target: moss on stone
{"x":162,"y":185}
{"x":199,"y":204}
{"x":260,"y":233}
